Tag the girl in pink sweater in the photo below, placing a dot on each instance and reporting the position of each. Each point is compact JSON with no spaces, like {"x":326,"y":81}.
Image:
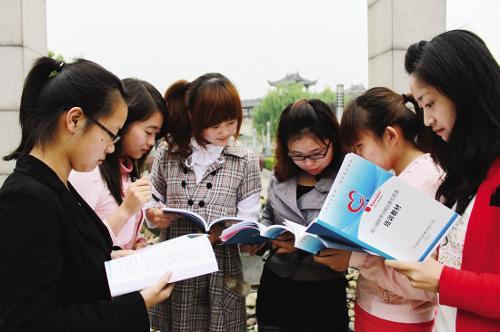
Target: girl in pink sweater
{"x":111,"y":190}
{"x":380,"y":127}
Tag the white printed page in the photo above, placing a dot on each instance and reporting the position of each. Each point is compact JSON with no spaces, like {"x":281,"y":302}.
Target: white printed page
{"x":186,"y":257}
{"x":403,"y":223}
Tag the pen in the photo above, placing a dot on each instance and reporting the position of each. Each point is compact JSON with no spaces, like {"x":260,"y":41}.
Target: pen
{"x":156,"y":198}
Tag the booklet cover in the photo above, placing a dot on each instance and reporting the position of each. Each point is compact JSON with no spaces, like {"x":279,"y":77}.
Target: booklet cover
{"x":371,"y":208}
{"x":186,"y":257}
{"x":200,"y":221}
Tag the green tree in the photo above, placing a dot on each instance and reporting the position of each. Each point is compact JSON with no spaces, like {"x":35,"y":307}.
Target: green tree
{"x":269,"y":109}
{"x":57,"y":57}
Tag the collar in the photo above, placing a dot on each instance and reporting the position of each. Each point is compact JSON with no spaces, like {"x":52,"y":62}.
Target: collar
{"x":203,"y":156}
{"x":287,"y":190}
{"x":126,"y":166}
{"x":36,"y":168}
{"x":325,"y":183}
{"x":235,"y":148}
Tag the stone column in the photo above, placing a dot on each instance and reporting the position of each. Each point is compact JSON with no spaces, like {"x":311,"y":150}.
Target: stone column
{"x":23,"y":38}
{"x":392,"y":26}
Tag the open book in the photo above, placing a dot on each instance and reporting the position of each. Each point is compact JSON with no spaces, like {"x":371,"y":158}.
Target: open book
{"x":372,"y":209}
{"x":249,"y":232}
{"x":185,"y":256}
{"x":199,"y":221}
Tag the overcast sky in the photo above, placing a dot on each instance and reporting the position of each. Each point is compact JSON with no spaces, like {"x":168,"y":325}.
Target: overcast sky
{"x":249,"y":41}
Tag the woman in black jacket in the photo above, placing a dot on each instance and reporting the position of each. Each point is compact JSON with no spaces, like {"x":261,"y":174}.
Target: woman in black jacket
{"x":52,"y":245}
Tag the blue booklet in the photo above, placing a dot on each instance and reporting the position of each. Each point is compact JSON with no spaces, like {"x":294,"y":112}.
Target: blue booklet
{"x":251,"y":232}
{"x":373,"y":210}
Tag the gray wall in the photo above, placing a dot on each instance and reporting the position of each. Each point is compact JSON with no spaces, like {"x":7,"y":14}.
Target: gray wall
{"x":392,"y":26}
{"x":23,"y":38}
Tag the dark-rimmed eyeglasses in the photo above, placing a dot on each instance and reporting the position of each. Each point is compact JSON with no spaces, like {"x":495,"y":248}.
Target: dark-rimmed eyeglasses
{"x":114,"y":137}
{"x":315,"y":156}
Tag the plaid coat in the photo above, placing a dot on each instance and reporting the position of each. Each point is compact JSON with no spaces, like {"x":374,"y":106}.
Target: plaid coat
{"x":205,"y":303}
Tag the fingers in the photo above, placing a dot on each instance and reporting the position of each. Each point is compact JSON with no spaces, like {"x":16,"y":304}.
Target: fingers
{"x":285,"y":248}
{"x":329,"y":252}
{"x":164,"y":280}
{"x":335,"y":259}
{"x":121,"y":253}
{"x":159,"y":218}
{"x":162,"y":287}
{"x":400,"y":266}
{"x":158,"y":292}
{"x":165,"y":292}
{"x":258,"y":248}
{"x":287,"y":236}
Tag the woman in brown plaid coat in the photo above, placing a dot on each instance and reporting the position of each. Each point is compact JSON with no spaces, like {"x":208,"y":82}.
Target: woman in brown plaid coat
{"x":201,"y":168}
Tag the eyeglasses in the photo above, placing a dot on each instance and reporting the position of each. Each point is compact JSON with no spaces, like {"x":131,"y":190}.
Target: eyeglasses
{"x":315,"y":156}
{"x":114,"y":138}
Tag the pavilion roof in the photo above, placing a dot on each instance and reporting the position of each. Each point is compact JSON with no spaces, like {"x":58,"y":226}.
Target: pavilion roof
{"x":293,"y":78}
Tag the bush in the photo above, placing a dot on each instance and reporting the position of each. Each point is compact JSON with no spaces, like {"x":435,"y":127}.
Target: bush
{"x":269,"y":163}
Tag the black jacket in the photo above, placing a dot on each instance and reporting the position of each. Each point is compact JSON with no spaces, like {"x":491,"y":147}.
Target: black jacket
{"x":52,"y":253}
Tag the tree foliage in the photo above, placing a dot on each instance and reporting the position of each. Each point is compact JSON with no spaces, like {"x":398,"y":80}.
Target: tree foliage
{"x":57,"y":57}
{"x":271,"y":106}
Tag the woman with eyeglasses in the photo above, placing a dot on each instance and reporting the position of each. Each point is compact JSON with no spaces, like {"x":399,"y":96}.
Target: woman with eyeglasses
{"x":52,"y":244}
{"x":379,"y":126}
{"x":110,"y":189}
{"x":293,"y":288}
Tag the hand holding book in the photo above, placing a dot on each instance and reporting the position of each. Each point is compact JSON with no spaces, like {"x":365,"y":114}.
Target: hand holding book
{"x":186,"y":256}
{"x":284,"y":243}
{"x":336,"y":259}
{"x":158,"y":292}
{"x":161,"y":219}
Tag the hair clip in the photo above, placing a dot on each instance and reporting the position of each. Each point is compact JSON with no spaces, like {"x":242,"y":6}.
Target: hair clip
{"x":57,"y":70}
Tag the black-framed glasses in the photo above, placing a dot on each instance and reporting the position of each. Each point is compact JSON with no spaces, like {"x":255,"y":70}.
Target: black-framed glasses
{"x":315,"y":156}
{"x":114,"y":138}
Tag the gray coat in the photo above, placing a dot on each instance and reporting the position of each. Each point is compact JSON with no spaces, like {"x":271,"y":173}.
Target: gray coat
{"x":282,"y":204}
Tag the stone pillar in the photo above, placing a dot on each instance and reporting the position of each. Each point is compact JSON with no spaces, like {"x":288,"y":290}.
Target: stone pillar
{"x":23,"y":38}
{"x":392,"y":26}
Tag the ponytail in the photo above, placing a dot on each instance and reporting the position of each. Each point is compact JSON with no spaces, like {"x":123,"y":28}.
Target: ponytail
{"x":53,"y":87}
{"x":44,"y":70}
{"x":208,"y":100}
{"x":378,"y":108}
{"x":179,"y":133}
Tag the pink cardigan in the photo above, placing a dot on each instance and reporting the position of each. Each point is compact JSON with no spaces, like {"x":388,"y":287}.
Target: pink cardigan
{"x":93,"y":189}
{"x":381,"y":291}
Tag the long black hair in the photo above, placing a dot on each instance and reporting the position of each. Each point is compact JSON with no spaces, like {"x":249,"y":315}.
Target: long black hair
{"x":306,"y":117}
{"x":53,"y":87}
{"x":143,"y":101}
{"x":459,"y":65}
